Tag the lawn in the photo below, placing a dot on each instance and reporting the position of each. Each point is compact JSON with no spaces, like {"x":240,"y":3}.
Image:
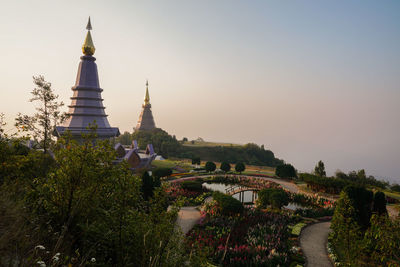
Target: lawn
{"x":169,"y":163}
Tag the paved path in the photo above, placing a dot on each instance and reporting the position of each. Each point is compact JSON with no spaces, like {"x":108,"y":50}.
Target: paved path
{"x":187,"y":218}
{"x":313,"y":241}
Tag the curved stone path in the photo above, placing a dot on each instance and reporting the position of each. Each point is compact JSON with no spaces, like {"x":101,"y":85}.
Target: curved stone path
{"x":187,"y":218}
{"x":313,"y":241}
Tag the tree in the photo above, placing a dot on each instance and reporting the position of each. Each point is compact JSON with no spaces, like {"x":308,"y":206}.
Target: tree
{"x":162,"y":172}
{"x":225,"y":166}
{"x":210,"y":166}
{"x":286,"y":171}
{"x":184,"y":139}
{"x":347,"y":234}
{"x":275,"y":197}
{"x":240,"y":167}
{"x":147,"y":185}
{"x":196,"y":160}
{"x":380,"y":203}
{"x":320,"y":169}
{"x":395,"y":187}
{"x":48,"y":115}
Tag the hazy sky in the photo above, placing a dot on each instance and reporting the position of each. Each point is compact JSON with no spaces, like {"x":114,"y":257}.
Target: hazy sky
{"x":310,"y":80}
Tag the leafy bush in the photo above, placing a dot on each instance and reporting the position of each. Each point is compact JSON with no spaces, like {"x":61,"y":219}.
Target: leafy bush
{"x":276,"y":197}
{"x":192,"y":185}
{"x":286,"y":171}
{"x":162,"y":172}
{"x":326,"y":184}
{"x":210,"y":166}
{"x":240,"y":167}
{"x":228,"y":205}
{"x":315,"y":212}
{"x":225,"y":166}
{"x":296,"y":230}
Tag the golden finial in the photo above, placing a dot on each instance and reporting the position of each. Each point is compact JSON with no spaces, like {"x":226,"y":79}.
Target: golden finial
{"x":88,"y":46}
{"x":147,"y":97}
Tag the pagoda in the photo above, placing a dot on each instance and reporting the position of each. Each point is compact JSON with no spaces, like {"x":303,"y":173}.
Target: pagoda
{"x":146,"y":120}
{"x":86,"y":103}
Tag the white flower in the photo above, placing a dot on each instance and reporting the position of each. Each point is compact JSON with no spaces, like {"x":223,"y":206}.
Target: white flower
{"x":40,"y":247}
{"x":93,"y":260}
{"x":41,"y":263}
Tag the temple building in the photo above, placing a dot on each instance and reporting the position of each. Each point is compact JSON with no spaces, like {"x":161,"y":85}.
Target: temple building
{"x":146,"y":120}
{"x":86,"y":103}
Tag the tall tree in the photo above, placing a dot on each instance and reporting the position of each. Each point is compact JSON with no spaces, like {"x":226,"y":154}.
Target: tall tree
{"x":225,"y":166}
{"x":47,"y":115}
{"x":240,"y":167}
{"x":210,"y":166}
{"x":320,"y":169}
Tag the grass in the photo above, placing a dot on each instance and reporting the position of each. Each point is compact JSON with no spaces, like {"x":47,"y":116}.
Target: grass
{"x":392,"y":194}
{"x":169,"y":163}
{"x":296,"y":230}
{"x":209,"y":144}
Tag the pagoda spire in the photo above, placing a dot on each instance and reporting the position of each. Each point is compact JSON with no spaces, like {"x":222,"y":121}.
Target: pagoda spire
{"x":147,"y":97}
{"x":88,"y":48}
{"x":146,"y":120}
{"x":86,"y":106}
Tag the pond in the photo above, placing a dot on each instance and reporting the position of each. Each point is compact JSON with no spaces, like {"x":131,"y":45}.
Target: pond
{"x":247,"y":194}
{"x":222,"y":188}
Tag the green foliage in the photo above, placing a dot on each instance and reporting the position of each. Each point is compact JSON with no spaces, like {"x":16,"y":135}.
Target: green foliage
{"x":395,"y":187}
{"x":325,"y":184}
{"x":147,"y":185}
{"x":192,"y":185}
{"x":379,"y":203}
{"x":163,"y":143}
{"x":83,"y":205}
{"x":250,"y":154}
{"x":41,"y":124}
{"x":275,"y":197}
{"x":196,"y":160}
{"x":382,"y":242}
{"x":228,"y":205}
{"x":361,"y":200}
{"x":210,"y":166}
{"x":361,"y":179}
{"x":296,"y":230}
{"x":240,"y":167}
{"x":125,"y":139}
{"x":225,"y":166}
{"x":162,"y":172}
{"x":286,"y":171}
{"x":319,"y":169}
{"x":347,"y":234}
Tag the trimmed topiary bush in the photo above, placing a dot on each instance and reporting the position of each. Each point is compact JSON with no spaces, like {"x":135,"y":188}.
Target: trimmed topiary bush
{"x":275,"y":197}
{"x":192,"y":185}
{"x":228,"y":205}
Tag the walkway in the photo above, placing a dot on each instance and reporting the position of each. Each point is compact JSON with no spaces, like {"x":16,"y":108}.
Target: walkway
{"x":187,"y":218}
{"x":313,"y":241}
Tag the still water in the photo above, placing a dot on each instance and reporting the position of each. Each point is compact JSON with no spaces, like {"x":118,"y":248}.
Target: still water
{"x":247,"y":195}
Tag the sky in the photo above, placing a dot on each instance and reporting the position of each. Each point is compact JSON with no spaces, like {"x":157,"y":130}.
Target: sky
{"x":311,"y":80}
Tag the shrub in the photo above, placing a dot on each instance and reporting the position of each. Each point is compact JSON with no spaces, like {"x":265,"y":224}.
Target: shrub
{"x":275,"y":197}
{"x":286,"y":171}
{"x":192,"y":185}
{"x":162,"y":172}
{"x":210,"y":166}
{"x":228,"y":205}
{"x":226,"y":167}
{"x":240,"y":167}
{"x":380,"y":203}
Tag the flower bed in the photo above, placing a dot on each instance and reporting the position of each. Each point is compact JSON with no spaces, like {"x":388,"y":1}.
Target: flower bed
{"x":176,"y":191}
{"x":253,"y":182}
{"x":256,"y":238}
